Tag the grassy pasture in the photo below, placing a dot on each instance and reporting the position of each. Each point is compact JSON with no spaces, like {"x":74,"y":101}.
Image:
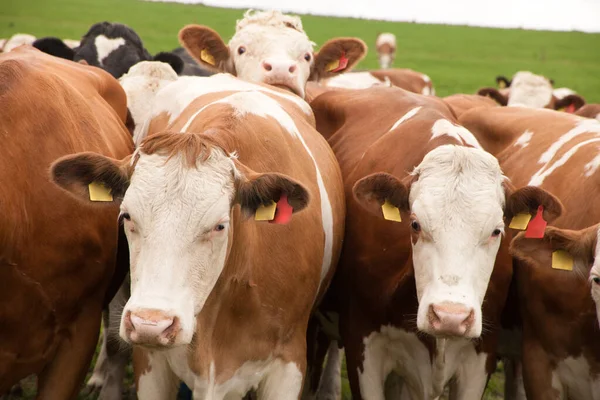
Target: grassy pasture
{"x":458,"y":59}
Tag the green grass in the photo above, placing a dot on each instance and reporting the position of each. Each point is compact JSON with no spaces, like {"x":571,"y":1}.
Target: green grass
{"x":458,"y":59}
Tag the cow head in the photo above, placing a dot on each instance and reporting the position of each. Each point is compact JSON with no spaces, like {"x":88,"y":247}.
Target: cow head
{"x":454,"y":205}
{"x":386,"y":49}
{"x":178,"y":193}
{"x":580,"y":254}
{"x":272,"y":48}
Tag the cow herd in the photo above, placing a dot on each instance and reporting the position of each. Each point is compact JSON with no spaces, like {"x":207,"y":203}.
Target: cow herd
{"x":238,"y":216}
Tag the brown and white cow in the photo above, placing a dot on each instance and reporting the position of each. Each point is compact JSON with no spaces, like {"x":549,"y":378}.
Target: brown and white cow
{"x":385,"y":45}
{"x":556,"y":152}
{"x":218,"y":299}
{"x":410,"y":294}
{"x":272,"y":48}
{"x":57,"y":255}
{"x":535,"y":91}
{"x":404,"y":78}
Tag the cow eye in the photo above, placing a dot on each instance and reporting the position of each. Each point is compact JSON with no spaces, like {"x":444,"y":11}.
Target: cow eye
{"x":219,"y":227}
{"x":496,"y":232}
{"x":415,"y":226}
{"x":241,"y":50}
{"x":124,"y":216}
{"x":596,"y":280}
{"x":307,"y":56}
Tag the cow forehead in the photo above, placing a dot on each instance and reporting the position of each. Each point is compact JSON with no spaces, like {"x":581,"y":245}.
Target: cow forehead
{"x":266,"y":38}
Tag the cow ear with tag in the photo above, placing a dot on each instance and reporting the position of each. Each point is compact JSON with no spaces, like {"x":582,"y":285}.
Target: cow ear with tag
{"x":206,"y":46}
{"x":530,"y":208}
{"x":271,"y":197}
{"x":570,"y":103}
{"x":337,"y":56}
{"x":559,"y":249}
{"x":383,"y":195}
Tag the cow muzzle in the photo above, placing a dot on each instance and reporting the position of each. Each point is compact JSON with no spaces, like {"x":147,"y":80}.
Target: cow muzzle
{"x":154,"y":328}
{"x":450,"y":319}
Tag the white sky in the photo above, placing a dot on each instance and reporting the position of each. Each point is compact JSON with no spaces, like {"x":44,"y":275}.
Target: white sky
{"x":562,"y":15}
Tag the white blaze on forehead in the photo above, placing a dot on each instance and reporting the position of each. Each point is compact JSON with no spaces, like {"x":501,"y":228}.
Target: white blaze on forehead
{"x":17,"y":40}
{"x":529,"y":90}
{"x":353,"y":80}
{"x":386,"y":38}
{"x":105,"y":46}
{"x":524,"y":139}
{"x":444,"y":127}
{"x":257,"y":103}
{"x":141,"y":84}
{"x":406,"y":117}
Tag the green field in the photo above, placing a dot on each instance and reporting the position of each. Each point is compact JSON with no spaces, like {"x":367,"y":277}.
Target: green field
{"x":458,"y":59}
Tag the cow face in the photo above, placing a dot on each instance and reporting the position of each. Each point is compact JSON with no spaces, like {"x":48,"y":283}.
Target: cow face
{"x":580,"y":251}
{"x":454,"y":205}
{"x":271,"y":48}
{"x":177,"y":210}
{"x":386,"y":49}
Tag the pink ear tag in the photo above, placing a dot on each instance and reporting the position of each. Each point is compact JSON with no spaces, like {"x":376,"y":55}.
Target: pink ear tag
{"x":343,"y":63}
{"x":570,"y":108}
{"x":537,"y":226}
{"x":283,"y":213}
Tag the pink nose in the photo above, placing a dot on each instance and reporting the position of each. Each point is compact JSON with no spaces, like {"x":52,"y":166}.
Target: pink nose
{"x":279,"y":67}
{"x":151,"y":327}
{"x":450,"y":319}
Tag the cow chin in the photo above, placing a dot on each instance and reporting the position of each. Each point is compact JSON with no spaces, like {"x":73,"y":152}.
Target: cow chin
{"x":155,"y":326}
{"x":287,"y":85}
{"x":449,"y":315}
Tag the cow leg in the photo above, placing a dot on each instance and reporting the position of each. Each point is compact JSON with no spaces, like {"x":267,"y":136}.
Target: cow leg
{"x":153,"y":376}
{"x":471,"y":377}
{"x":96,"y":381}
{"x":283,"y":382}
{"x":62,"y":377}
{"x":330,"y":387}
{"x":537,"y":372}
{"x":513,"y":380}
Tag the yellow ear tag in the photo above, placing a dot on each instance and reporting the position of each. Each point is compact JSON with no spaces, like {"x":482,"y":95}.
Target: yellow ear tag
{"x":520,"y":221}
{"x":99,"y":192}
{"x":207,"y":57}
{"x":562,"y":260}
{"x":266,"y":213}
{"x":332,"y":65}
{"x":390,"y":212}
{"x":501,"y":84}
{"x":562,"y":109}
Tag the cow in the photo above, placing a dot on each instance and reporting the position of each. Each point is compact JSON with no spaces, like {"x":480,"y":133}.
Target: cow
{"x":556,"y":152}
{"x":385,"y":45}
{"x":404,"y":78}
{"x":272,"y":48}
{"x":60,"y":260}
{"x":17,"y":40}
{"x":535,"y":91}
{"x":425,"y":216}
{"x":221,"y":156}
{"x":589,"y":111}
{"x":461,"y":103}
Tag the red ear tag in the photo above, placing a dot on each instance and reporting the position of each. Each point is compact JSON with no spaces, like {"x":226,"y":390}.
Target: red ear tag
{"x":283,"y":213}
{"x":570,"y":108}
{"x":537,"y":226}
{"x":343,"y":63}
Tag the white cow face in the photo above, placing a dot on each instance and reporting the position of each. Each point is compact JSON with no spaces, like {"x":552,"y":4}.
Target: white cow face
{"x":177,"y":200}
{"x":386,"y":49}
{"x":453,"y":207}
{"x":582,"y":250}
{"x":271,"y":48}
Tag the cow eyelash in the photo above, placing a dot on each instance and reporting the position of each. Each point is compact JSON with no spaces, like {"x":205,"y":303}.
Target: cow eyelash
{"x":124,"y":217}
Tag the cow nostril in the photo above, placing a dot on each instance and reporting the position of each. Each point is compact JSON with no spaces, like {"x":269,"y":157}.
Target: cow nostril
{"x":267,"y":66}
{"x":292,"y":69}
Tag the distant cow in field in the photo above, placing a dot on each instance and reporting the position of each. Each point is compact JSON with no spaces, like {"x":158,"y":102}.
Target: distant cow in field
{"x":385,"y":44}
{"x":271,"y":48}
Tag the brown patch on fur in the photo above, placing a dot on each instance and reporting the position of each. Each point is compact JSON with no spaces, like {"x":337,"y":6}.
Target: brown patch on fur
{"x":141,"y":364}
{"x":354,"y":49}
{"x":195,"y":38}
{"x":372,"y":191}
{"x":495,"y":94}
{"x":528,"y":199}
{"x":589,"y":111}
{"x":386,"y":48}
{"x":573,"y":99}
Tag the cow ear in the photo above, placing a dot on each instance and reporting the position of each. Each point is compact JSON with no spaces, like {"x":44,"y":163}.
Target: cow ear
{"x":570,"y":103}
{"x":206,"y":46}
{"x":257,"y":189}
{"x":337,"y":56}
{"x":172,"y":59}
{"x":528,"y":199}
{"x":576,"y":249}
{"x":502,"y":82}
{"x":376,"y":190}
{"x":495,"y":94}
{"x":92,"y":177}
